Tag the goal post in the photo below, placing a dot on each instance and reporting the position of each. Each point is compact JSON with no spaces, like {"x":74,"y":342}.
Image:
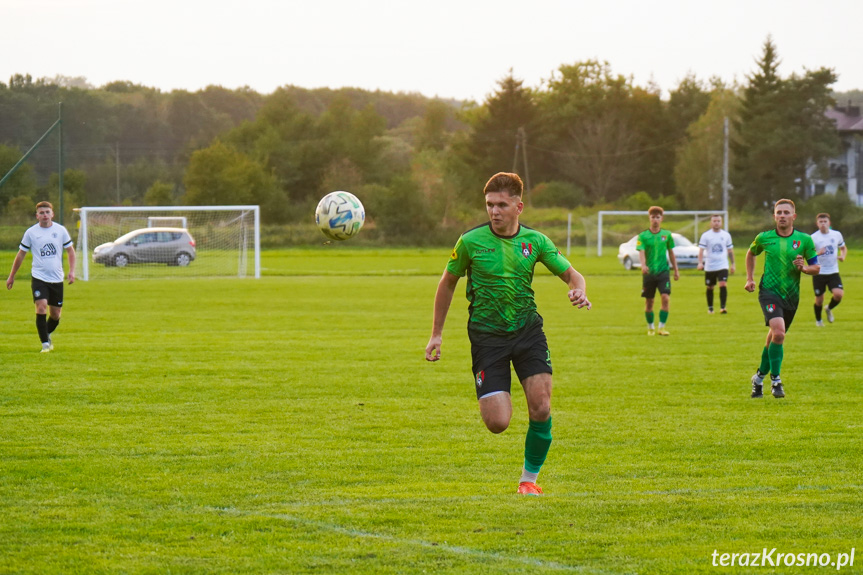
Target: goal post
{"x":697,"y":215}
{"x":168,"y":241}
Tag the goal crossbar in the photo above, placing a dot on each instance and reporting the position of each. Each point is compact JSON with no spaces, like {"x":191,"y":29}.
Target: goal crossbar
{"x":695,"y":213}
{"x":85,"y":211}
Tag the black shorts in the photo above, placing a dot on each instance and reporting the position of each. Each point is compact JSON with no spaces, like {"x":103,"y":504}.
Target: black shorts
{"x":771,"y":307}
{"x":650,"y":283}
{"x":829,"y":281}
{"x":528,"y":351}
{"x":50,"y":291}
{"x":714,"y":277}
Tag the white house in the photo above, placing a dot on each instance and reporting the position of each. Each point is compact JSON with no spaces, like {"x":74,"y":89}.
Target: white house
{"x":845,"y":171}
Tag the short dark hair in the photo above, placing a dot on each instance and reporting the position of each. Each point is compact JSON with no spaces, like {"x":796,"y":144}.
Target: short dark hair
{"x":822,"y":215}
{"x":653,"y":210}
{"x":505,"y":182}
{"x":44,"y":205}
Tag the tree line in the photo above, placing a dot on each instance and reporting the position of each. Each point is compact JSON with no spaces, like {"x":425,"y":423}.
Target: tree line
{"x":587,"y":136}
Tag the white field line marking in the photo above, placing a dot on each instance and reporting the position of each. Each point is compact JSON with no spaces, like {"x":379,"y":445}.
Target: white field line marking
{"x":455,"y":549}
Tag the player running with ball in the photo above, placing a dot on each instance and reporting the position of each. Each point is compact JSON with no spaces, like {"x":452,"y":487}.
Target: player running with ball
{"x":499,"y":258}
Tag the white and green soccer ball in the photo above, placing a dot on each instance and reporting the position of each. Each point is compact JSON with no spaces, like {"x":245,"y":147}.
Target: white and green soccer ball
{"x":340,"y":215}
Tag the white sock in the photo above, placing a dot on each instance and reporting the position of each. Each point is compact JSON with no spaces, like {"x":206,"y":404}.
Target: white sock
{"x":650,"y":326}
{"x":661,"y":325}
{"x":528,"y":476}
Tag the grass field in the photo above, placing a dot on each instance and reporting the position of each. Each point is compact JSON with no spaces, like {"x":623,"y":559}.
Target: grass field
{"x":291,"y":425}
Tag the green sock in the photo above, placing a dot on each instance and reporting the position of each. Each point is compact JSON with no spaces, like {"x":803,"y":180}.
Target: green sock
{"x":649,"y":316}
{"x":536,"y":444}
{"x":663,"y":316}
{"x":764,"y":368}
{"x":775,"y":352}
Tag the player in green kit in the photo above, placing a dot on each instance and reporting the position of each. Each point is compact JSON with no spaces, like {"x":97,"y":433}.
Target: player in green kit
{"x":788,"y":253}
{"x":499,"y":259}
{"x":654,"y":247}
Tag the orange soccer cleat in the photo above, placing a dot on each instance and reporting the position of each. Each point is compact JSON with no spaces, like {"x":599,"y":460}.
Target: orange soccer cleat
{"x":528,"y":488}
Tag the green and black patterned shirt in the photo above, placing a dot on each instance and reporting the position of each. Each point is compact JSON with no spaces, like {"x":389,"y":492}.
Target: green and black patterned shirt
{"x":781,"y":278}
{"x":655,"y":247}
{"x":499,"y":276}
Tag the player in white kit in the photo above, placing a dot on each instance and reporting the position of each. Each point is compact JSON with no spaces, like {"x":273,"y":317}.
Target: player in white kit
{"x":715,"y":250}
{"x":831,"y":249}
{"x":46,"y":241}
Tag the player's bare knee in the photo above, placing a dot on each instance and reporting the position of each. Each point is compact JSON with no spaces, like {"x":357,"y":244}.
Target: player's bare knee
{"x":540,"y":412}
{"x":837,"y":295}
{"x":778,"y":337}
{"x":496,"y":424}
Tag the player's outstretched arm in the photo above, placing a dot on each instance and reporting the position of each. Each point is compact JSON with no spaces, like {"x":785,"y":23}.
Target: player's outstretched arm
{"x":577,"y":288}
{"x":442,"y":301}
{"x":19,"y":258}
{"x":750,"y":271}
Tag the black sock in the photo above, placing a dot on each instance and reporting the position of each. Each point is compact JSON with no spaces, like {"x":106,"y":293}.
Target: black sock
{"x":833,"y":303}
{"x":52,"y":324}
{"x":710,"y":299}
{"x":42,"y":327}
{"x":818,"y":309}
{"x":723,"y":296}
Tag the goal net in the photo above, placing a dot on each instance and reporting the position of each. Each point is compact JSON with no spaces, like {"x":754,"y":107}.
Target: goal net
{"x":611,"y":228}
{"x":168,"y":242}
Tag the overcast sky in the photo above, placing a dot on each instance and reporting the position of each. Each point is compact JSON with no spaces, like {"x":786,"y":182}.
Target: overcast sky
{"x":447,"y":48}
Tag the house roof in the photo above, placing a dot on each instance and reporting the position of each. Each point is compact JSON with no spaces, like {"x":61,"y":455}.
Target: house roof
{"x":847,"y":119}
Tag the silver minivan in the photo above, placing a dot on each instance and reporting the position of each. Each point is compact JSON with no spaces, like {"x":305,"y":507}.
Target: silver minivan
{"x":172,"y":246}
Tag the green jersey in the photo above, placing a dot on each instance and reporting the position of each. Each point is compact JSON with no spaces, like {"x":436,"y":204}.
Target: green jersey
{"x":499,"y":276}
{"x":781,"y":278}
{"x":655,"y":247}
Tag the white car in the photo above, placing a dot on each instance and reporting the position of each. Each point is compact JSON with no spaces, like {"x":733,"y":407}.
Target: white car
{"x":685,"y":252}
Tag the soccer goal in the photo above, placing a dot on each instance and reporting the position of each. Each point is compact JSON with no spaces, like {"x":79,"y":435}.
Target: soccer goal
{"x":164,"y":242}
{"x":615,"y":227}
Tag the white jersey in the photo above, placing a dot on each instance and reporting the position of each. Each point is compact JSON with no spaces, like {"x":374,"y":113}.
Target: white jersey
{"x":47,"y":245}
{"x":830,"y":243}
{"x":716,"y":246}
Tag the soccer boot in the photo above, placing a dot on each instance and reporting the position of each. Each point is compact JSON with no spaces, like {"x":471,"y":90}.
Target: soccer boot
{"x":528,"y":488}
{"x":663,"y":331}
{"x":819,"y":323}
{"x":829,"y":313}
{"x":46,"y":347}
{"x":710,"y":310}
{"x":776,"y":388}
{"x":723,"y":311}
{"x":757,"y":387}
{"x":50,"y":343}
{"x":651,"y":331}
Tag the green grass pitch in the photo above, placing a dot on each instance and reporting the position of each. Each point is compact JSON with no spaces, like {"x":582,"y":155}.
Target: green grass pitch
{"x":291,"y":425}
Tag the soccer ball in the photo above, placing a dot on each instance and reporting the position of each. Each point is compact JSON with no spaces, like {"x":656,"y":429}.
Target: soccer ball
{"x":340,"y":215}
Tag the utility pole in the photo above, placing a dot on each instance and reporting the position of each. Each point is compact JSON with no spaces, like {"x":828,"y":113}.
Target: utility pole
{"x":117,"y":167}
{"x":60,"y":173}
{"x":515,"y":157}
{"x":725,"y":184}
{"x":523,"y":135}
